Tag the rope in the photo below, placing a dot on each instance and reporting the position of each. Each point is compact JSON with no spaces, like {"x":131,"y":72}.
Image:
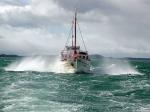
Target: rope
{"x":69,"y":36}
{"x":81,"y":36}
{"x":71,"y":30}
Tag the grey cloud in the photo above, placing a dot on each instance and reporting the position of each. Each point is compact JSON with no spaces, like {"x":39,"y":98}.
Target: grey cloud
{"x":24,"y":41}
{"x":1,"y":37}
{"x":84,"y":6}
{"x":110,"y":27}
{"x":14,"y":2}
{"x":33,"y":15}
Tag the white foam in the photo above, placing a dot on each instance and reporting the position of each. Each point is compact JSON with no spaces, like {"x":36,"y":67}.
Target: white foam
{"x":144,"y":109}
{"x":115,"y":67}
{"x":40,"y":64}
{"x":60,"y":67}
{"x":118,"y":66}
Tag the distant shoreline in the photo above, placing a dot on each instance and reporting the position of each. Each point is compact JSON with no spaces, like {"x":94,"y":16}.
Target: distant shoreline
{"x":96,"y":56}
{"x":11,"y":55}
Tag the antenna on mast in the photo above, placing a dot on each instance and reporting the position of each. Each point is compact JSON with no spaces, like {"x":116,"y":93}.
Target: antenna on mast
{"x":75,"y":31}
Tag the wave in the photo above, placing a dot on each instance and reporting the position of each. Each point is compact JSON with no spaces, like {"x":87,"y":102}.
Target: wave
{"x":115,"y":67}
{"x":53,"y":64}
{"x":40,"y":64}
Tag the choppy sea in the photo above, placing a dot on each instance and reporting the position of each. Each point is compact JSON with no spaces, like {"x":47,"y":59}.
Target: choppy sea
{"x":41,"y":84}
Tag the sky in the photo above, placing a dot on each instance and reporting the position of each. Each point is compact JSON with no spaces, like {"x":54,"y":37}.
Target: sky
{"x":112,"y":28}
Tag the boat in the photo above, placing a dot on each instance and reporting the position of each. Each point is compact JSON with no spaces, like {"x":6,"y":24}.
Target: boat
{"x":72,"y":55}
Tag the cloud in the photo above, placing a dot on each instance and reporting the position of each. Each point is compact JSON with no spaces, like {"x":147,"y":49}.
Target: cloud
{"x":30,"y":15}
{"x":111,"y":27}
{"x":29,"y":41}
{"x":14,"y":2}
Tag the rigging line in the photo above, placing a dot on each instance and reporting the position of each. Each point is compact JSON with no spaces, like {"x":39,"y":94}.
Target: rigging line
{"x":71,"y":31}
{"x":75,"y":7}
{"x":82,"y":36}
{"x":69,"y":36}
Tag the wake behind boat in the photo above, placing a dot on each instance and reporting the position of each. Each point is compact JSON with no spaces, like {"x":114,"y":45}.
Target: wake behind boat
{"x":72,"y":56}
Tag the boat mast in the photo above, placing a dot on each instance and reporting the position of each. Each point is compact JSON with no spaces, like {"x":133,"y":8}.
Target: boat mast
{"x":75,"y":31}
{"x":72,"y":32}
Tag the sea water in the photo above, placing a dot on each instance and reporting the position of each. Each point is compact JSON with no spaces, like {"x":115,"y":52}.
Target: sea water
{"x":41,"y":84}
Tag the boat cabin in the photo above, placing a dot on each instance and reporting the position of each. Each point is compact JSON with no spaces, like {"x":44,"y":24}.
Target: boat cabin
{"x":83,"y":55}
{"x":72,"y":48}
{"x":68,"y":53}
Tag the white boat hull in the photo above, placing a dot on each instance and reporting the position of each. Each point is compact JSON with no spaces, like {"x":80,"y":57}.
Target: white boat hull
{"x":79,"y":66}
{"x":82,"y":66}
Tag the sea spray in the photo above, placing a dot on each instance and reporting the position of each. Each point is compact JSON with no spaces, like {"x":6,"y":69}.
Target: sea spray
{"x":40,"y":64}
{"x":33,"y":63}
{"x":118,"y":66}
{"x":61,"y":67}
{"x":53,"y":64}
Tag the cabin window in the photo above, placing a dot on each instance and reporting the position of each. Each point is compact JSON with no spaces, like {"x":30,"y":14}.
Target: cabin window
{"x":87,"y":57}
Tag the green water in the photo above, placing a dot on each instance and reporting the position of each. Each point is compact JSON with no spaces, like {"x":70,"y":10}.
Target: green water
{"x":27,"y":91}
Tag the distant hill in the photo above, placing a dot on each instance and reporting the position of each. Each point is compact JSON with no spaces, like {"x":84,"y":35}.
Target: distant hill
{"x":5,"y":55}
{"x":92,"y":56}
{"x":96,"y":56}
